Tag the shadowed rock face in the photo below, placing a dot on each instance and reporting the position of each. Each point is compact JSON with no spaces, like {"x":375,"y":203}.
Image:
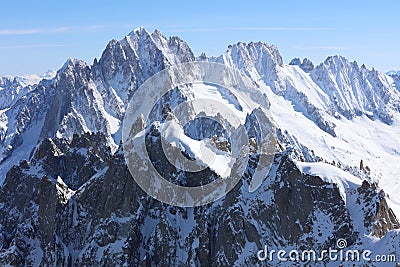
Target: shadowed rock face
{"x":299,"y":196}
{"x":378,"y":216}
{"x":109,"y":220}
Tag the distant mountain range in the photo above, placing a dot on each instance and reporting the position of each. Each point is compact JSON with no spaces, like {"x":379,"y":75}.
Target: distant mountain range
{"x":393,"y":73}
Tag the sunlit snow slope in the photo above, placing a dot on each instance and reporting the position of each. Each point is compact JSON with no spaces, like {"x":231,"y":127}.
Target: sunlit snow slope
{"x":358,"y":138}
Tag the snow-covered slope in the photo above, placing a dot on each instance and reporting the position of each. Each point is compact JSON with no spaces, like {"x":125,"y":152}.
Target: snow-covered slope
{"x":393,"y":73}
{"x":374,"y":142}
{"x":340,"y":111}
{"x":11,"y":89}
{"x":355,"y":90}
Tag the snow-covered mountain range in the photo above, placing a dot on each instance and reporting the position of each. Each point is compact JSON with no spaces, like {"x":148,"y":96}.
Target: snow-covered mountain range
{"x":393,"y":73}
{"x":67,"y":197}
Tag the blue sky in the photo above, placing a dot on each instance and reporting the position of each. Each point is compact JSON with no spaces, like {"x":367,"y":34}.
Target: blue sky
{"x":35,"y":37}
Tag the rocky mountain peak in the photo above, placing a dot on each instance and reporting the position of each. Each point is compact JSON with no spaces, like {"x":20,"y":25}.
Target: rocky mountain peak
{"x":139,"y":31}
{"x":72,"y":63}
{"x":306,"y":65}
{"x":259,"y":61}
{"x":355,"y":91}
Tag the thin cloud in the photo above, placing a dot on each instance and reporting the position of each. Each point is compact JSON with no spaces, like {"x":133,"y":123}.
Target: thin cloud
{"x":220,"y":29}
{"x":32,"y":31}
{"x":93,"y":28}
{"x":322,"y":47}
{"x":32,"y":46}
{"x":86,"y":28}
{"x":284,"y":29}
{"x":194,"y":30}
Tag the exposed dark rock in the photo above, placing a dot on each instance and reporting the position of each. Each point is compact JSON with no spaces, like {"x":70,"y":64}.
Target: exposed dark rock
{"x":378,"y":216}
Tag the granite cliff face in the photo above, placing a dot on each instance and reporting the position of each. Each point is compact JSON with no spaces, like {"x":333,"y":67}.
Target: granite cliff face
{"x":67,"y":197}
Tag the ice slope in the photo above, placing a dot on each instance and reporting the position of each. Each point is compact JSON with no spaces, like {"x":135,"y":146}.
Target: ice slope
{"x":304,"y":84}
